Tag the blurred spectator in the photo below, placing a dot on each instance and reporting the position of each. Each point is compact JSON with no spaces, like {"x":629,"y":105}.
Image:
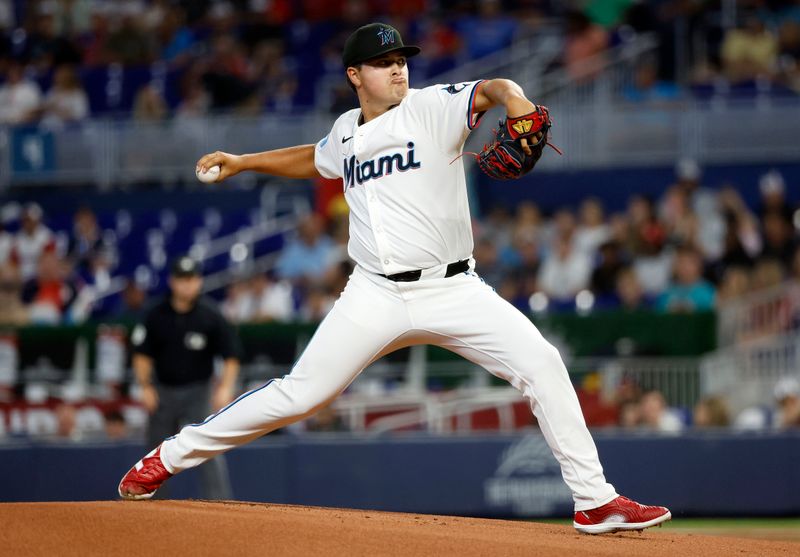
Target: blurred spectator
{"x":326,"y":420}
{"x":440,"y":45}
{"x":647,"y":88}
{"x":521,"y":261}
{"x":789,"y":54}
{"x":585,"y":42}
{"x":66,"y":101}
{"x":607,"y":13}
{"x":772,"y":187}
{"x":703,"y":205}
{"x":787,"y":396}
{"x":176,"y":41}
{"x":95,"y":42}
{"x":66,"y":416}
{"x":128,"y":44}
{"x":750,"y":51}
{"x":7,"y":16}
{"x":767,"y":273}
{"x":12,"y":311}
{"x":742,"y":240}
{"x":97,"y":272}
{"x":71,"y":17}
{"x":497,"y":226}
{"x":779,"y":243}
{"x":565,"y":272}
{"x":629,"y":291}
{"x":115,"y":426}
{"x":49,"y":294}
{"x":77,"y":423}
{"x":337,"y":276}
{"x":487,"y":262}
{"x":317,"y":303}
{"x":45,"y":48}
{"x":653,"y":266}
{"x":308,"y":254}
{"x":150,"y":105}
{"x":784,"y":414}
{"x":6,"y":245}
{"x":562,"y":225}
{"x":20,"y":98}
{"x":227,"y":76}
{"x":795,"y":271}
{"x":711,"y":411}
{"x":651,"y":262}
{"x":592,"y":231}
{"x":630,"y":414}
{"x":489,"y":30}
{"x":237,"y":307}
{"x":604,"y":276}
{"x":689,"y":292}
{"x":735,"y":283}
{"x":85,"y":240}
{"x":339,"y":227}
{"x":656,"y":415}
{"x":31,"y":241}
{"x":680,"y":221}
{"x":271,"y":299}
{"x":132,"y":302}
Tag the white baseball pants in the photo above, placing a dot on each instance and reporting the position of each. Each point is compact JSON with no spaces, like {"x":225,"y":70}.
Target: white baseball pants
{"x":375,"y":316}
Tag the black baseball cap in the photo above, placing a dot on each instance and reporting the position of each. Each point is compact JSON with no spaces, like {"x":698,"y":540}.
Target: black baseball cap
{"x":373,"y":40}
{"x":185,"y":266}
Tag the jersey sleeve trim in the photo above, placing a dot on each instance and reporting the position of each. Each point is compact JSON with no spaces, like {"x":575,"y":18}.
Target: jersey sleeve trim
{"x":473,"y":119}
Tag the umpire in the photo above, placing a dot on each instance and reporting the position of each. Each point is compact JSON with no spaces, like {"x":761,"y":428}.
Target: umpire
{"x":173,"y":361}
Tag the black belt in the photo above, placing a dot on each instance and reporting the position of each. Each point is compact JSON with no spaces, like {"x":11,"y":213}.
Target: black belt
{"x":412,"y":276}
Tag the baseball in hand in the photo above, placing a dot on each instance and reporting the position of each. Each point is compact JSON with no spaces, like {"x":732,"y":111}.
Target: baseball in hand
{"x":209,"y":176}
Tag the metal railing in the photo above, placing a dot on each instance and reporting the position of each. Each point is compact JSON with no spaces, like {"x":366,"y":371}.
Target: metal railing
{"x":399,"y":393}
{"x":768,"y":312}
{"x":113,"y":153}
{"x":746,"y":373}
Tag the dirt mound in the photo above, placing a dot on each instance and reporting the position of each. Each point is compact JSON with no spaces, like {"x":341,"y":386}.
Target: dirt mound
{"x":112,"y":528}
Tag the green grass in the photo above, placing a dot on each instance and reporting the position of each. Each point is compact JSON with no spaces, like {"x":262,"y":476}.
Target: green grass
{"x":763,"y":528}
{"x":733,"y":523}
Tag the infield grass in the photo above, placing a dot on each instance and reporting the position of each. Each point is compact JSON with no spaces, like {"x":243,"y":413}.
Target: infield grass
{"x":761,"y":528}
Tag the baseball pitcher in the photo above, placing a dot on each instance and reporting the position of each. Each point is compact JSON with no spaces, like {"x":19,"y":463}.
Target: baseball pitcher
{"x":399,"y":158}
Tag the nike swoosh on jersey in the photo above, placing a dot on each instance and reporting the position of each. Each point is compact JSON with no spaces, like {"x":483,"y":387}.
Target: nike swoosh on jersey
{"x":346,"y":139}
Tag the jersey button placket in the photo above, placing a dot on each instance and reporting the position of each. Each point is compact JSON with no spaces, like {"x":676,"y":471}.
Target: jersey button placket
{"x":377,"y":226}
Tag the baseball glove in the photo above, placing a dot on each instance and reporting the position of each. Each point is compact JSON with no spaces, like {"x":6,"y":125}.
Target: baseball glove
{"x":505,"y":158}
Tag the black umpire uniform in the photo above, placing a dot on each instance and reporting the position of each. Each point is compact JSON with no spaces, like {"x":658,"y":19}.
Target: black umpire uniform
{"x":174,"y":351}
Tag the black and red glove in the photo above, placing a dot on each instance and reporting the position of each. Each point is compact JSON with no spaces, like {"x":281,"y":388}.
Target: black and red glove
{"x":505,"y":158}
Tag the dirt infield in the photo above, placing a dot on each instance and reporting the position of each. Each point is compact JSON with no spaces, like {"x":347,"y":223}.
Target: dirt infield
{"x":204,"y":528}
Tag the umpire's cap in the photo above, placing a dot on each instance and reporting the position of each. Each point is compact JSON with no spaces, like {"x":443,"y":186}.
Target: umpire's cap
{"x":185,"y":266}
{"x":373,"y":40}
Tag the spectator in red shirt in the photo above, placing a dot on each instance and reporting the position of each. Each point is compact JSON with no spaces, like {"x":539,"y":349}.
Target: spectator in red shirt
{"x":50,"y":294}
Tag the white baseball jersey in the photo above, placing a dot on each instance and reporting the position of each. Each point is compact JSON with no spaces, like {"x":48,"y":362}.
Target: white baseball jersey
{"x":407,"y":194}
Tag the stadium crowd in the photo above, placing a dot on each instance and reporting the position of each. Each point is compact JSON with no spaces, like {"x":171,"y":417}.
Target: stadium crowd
{"x":691,"y":250}
{"x":64,"y":60}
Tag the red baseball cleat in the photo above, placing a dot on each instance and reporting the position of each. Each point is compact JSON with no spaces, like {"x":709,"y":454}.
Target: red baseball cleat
{"x":620,"y":514}
{"x":146,"y":476}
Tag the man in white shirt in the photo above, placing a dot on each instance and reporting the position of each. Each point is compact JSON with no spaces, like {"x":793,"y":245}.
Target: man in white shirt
{"x":31,"y":241}
{"x":20,"y":98}
{"x":411,"y":239}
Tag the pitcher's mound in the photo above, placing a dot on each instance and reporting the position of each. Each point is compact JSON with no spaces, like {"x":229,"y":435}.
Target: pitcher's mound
{"x":146,"y":528}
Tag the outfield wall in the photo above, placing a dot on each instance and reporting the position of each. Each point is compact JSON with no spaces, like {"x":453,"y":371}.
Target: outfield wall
{"x":512,"y":476}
